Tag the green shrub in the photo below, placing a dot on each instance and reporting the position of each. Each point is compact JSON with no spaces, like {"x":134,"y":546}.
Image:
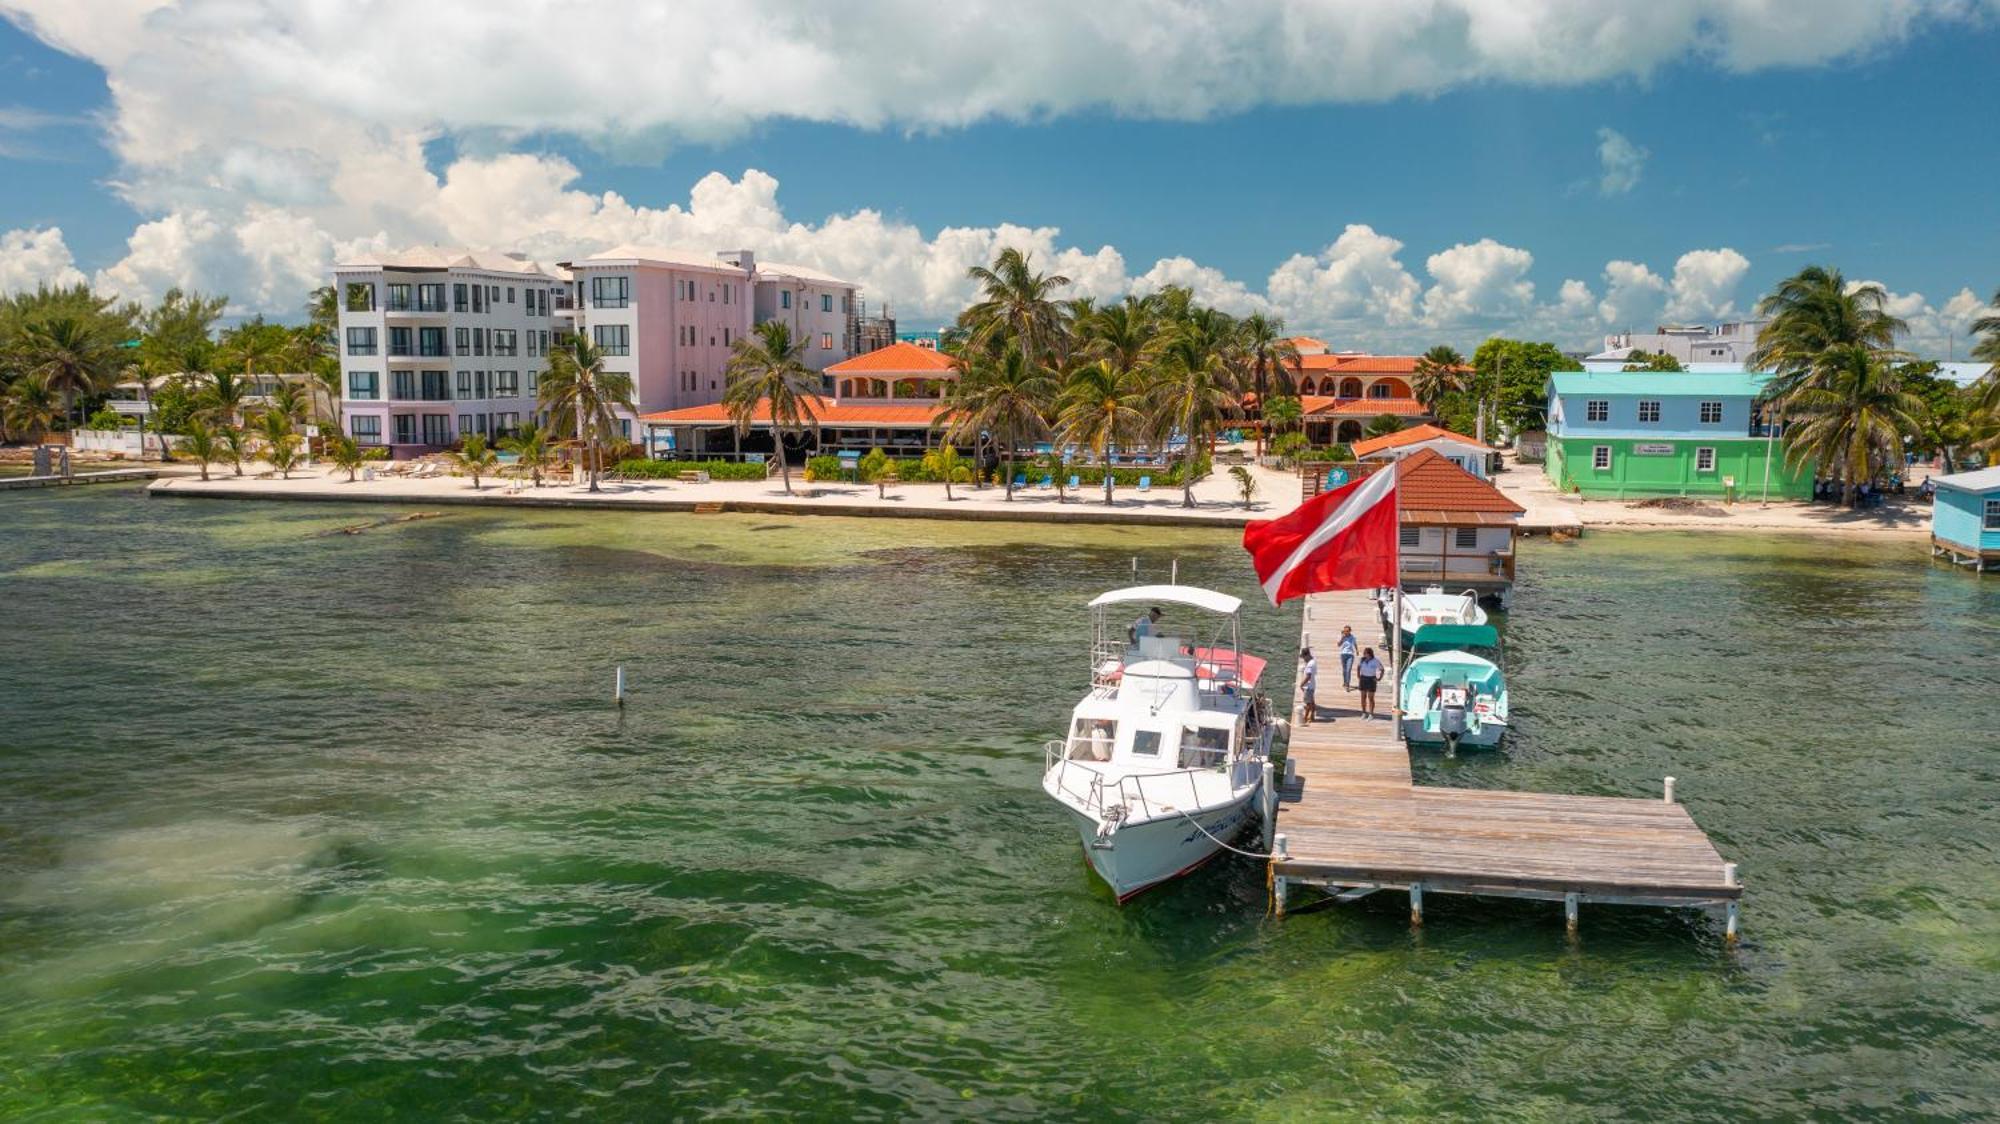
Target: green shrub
{"x":1124,"y":476}
{"x":105,"y":419}
{"x":641,"y":468}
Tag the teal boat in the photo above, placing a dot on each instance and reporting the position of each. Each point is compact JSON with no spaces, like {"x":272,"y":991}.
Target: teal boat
{"x":1451,"y":696}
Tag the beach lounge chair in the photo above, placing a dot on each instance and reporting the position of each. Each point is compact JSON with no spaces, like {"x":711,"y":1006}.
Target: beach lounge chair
{"x":1145,"y":483}
{"x":1073,"y":482}
{"x":1020,"y":480}
{"x":1047,"y":483}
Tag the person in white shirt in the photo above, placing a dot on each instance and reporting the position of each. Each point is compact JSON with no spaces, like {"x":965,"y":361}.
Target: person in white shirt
{"x":1308,"y":682}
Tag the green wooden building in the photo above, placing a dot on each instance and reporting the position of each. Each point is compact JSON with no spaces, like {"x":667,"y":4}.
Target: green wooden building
{"x":1619,"y":434}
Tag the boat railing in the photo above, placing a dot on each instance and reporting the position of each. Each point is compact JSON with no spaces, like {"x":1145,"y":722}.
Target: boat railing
{"x":1139,"y":793}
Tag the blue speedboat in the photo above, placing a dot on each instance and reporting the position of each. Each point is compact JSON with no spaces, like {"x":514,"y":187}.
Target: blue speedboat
{"x":1450,"y":695}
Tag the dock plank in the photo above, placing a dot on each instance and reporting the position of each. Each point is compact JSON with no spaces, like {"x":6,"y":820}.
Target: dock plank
{"x":1355,"y":816}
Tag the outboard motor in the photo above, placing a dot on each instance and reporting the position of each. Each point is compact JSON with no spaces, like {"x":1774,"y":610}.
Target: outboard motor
{"x":1451,"y":719}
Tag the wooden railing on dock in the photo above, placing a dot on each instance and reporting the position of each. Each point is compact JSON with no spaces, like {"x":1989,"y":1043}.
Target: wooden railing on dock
{"x":1350,"y":819}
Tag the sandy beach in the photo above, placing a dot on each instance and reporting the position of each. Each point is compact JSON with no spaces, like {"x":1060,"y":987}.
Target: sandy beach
{"x":1900,"y":516}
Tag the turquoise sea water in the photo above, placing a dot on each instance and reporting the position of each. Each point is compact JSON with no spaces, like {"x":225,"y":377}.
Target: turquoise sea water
{"x":297,"y":824}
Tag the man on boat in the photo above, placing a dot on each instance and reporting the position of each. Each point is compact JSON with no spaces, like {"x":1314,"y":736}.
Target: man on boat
{"x":1144,"y":626}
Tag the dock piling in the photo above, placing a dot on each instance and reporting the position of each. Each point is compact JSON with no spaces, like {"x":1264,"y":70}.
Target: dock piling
{"x":1570,"y":902}
{"x":1270,"y":804}
{"x":618,"y":688}
{"x":1417,"y":904}
{"x":1729,"y":915}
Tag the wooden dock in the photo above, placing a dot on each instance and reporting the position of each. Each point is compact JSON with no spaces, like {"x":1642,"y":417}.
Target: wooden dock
{"x":103,"y":476}
{"x":1350,"y":820}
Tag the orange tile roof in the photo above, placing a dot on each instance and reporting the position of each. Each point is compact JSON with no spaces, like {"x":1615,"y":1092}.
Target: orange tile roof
{"x":826,"y":411}
{"x":1323,"y":406}
{"x":1359,"y":364}
{"x":897,"y":359}
{"x":1429,"y":482}
{"x":1411,"y":436}
{"x":1306,"y":343}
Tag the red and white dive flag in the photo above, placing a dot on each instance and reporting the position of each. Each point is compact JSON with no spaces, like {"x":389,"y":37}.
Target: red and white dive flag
{"x":1343,"y":539}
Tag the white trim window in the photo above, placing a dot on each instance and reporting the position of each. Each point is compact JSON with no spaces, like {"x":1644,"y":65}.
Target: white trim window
{"x":1600,"y":458}
{"x":1597,"y":410}
{"x":1704,"y":458}
{"x":1711,"y":413}
{"x":1992,"y":515}
{"x":1649,"y":409}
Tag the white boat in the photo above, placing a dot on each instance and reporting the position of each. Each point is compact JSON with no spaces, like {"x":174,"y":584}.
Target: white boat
{"x":1450,"y":694}
{"x":1165,"y":756}
{"x":1434,"y":606}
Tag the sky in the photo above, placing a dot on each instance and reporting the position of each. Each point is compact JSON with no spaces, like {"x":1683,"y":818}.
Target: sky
{"x":1385,"y":175}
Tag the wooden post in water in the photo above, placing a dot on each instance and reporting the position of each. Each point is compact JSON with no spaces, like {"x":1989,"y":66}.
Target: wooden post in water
{"x":1416,"y":903}
{"x":1729,"y":917}
{"x":1570,"y":902}
{"x":1278,"y":897}
{"x":618,"y":689}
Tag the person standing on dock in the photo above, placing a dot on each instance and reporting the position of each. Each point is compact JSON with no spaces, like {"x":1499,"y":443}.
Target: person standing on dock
{"x":1369,"y":670}
{"x":1308,"y":681}
{"x":1347,"y":646}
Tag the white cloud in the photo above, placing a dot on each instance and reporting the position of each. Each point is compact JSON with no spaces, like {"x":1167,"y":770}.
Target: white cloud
{"x":1480,"y":281}
{"x":1619,"y":162}
{"x":1936,"y":331}
{"x":29,"y":258}
{"x":1356,"y":283}
{"x":1633,"y":296}
{"x":1704,"y":285}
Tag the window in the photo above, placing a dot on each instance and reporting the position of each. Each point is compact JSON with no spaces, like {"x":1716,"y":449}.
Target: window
{"x":406,"y":429}
{"x":1410,"y":536}
{"x":399,"y":298}
{"x":510,"y":294}
{"x":725,"y":337}
{"x":493,"y":295}
{"x":360,"y":296}
{"x":1649,"y":409}
{"x":479,"y":341}
{"x":399,"y":341}
{"x":610,"y":292}
{"x":826,"y":339}
{"x":479,"y":384}
{"x":826,"y":302}
{"x":1597,"y":410}
{"x":545,"y":343}
{"x":532,"y":346}
{"x":403,"y":385}
{"x":1711,"y":413}
{"x":464,"y":340}
{"x":465,"y":384}
{"x":464,"y":424}
{"x":1600,"y":457}
{"x":1992,"y":515}
{"x":437,"y":386}
{"x":1704,"y":459}
{"x":534,"y":378}
{"x":506,"y":342}
{"x":507,"y":422}
{"x":364,"y":385}
{"x":365,"y":429}
{"x":612,"y":339}
{"x":506,"y":384}
{"x":1465,"y":538}
{"x":784,"y":298}
{"x":430,"y":297}
{"x":430,"y":341}
{"x":725,"y":293}
{"x":361,"y":341}
{"x":625,"y":429}
{"x":479,"y":298}
{"x":437,"y":429}
{"x":458,"y":298}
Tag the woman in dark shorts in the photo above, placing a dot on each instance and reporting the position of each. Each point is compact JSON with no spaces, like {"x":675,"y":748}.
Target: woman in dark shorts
{"x":1366,"y":673}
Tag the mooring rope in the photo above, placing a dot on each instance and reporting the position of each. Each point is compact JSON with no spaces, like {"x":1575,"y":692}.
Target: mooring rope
{"x":1220,"y":843}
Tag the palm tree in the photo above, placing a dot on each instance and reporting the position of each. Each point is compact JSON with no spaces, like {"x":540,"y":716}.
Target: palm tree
{"x":1439,"y":371}
{"x":475,"y":458}
{"x":1853,"y":414}
{"x":254,"y":348}
{"x":766,"y":368}
{"x":281,"y":442}
{"x":1123,"y":333}
{"x":1987,"y":328}
{"x":226,"y":397}
{"x":291,"y":399}
{"x":531,"y":450}
{"x":1810,"y":312}
{"x":1284,"y":413}
{"x":1246,"y":484}
{"x":345,"y":452}
{"x":68,"y":354}
{"x":1982,"y":412}
{"x":236,"y":443}
{"x":1005,"y":397}
{"x":580,"y":395}
{"x":1272,"y":359}
{"x":1016,"y":303}
{"x":205,"y":445}
{"x":1192,"y":392}
{"x":30,"y":408}
{"x":1102,"y":407}
{"x":1381,"y":425}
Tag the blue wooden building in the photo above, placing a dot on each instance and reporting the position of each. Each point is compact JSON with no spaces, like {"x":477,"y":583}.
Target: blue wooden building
{"x":1965,"y":518}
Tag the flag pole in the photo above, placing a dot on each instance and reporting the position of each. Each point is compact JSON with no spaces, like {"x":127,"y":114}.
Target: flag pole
{"x":1396,"y":611}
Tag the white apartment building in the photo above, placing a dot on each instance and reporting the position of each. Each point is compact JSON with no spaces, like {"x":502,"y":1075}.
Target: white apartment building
{"x":1729,"y":343}
{"x":670,"y":317}
{"x":436,"y":344}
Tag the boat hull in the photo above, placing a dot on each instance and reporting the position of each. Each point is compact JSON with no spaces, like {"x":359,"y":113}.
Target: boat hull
{"x":1139,"y":856}
{"x":1486,"y":737}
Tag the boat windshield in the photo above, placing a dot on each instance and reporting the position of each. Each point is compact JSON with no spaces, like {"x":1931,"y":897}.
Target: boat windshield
{"x":1091,"y":739}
